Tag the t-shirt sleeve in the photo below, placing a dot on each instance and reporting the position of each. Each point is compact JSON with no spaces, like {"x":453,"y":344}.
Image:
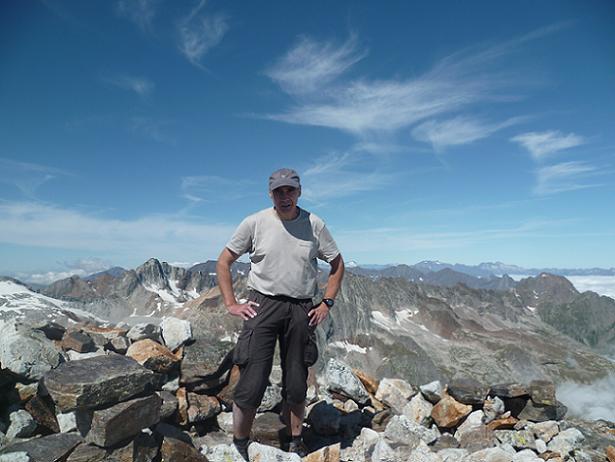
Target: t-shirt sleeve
{"x":241,"y":241}
{"x":327,"y":248}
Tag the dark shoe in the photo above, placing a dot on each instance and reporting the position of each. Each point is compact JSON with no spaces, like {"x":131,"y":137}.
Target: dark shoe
{"x":297,"y":446}
{"x":242,"y":447}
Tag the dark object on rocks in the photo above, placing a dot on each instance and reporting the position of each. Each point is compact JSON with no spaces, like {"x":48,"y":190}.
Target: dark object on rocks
{"x":96,"y":382}
{"x":169,"y":431}
{"x":49,"y":448}
{"x":468,"y":391}
{"x":538,"y":413}
{"x":78,"y":341}
{"x":88,"y":453}
{"x":325,"y":419}
{"x":241,"y":444}
{"x":515,"y":405}
{"x":123,"y":421}
{"x":52,"y":330}
{"x":42,"y":410}
{"x":173,"y":450}
{"x":508,"y":390}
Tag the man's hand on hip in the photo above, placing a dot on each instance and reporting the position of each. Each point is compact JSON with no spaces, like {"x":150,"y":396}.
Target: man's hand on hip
{"x":243,"y":310}
{"x":318,"y":314}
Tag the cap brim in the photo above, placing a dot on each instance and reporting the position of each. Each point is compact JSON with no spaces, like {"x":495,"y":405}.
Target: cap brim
{"x":283,"y":182}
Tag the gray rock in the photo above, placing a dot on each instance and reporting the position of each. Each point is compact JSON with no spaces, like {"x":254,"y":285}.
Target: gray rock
{"x":545,"y":430}
{"x":49,"y":448}
{"x":477,"y":438}
{"x":76,"y":356}
{"x":340,"y":379}
{"x":325,"y":418}
{"x":223,"y":453}
{"x":15,"y":457}
{"x":566,"y":441}
{"x":118,"y":344}
{"x":144,"y":330}
{"x":472,"y":422}
{"x":453,"y":454}
{"x":173,"y":450}
{"x":78,"y":341}
{"x":123,"y":421}
{"x":382,"y":452}
{"x":260,"y":452}
{"x":493,"y":408}
{"x":538,"y":413}
{"x":509,"y":390}
{"x":28,"y":354}
{"x":432,"y":391}
{"x":67,"y":422}
{"x":97,"y":382}
{"x":225,"y":421}
{"x":423,"y":454}
{"x":418,"y":410}
{"x":489,"y":455}
{"x":522,"y":439}
{"x":144,"y":448}
{"x":541,"y":446}
{"x":271,"y":399}
{"x":22,"y":425}
{"x":526,"y":455}
{"x":88,"y":453}
{"x":202,"y":407}
{"x":172,"y":385}
{"x":175,"y":332}
{"x":52,"y":330}
{"x":169,"y":404}
{"x":542,"y":392}
{"x":468,"y":391}
{"x":446,"y":441}
{"x":395,"y":393}
{"x":401,"y":429}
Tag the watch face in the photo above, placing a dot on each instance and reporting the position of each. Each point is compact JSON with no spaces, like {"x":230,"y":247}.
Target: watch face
{"x":328,"y":302}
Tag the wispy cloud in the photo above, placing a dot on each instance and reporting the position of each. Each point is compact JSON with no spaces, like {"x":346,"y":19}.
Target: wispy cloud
{"x":168,"y":237}
{"x":310,"y":65}
{"x":542,"y":144}
{"x":208,"y":188}
{"x":28,"y":177}
{"x":66,"y":269}
{"x":199,"y":33}
{"x":565,"y":176}
{"x":140,"y":85}
{"x":341,"y":175}
{"x":458,"y":130}
{"x":141,"y":12}
{"x":366,"y":107}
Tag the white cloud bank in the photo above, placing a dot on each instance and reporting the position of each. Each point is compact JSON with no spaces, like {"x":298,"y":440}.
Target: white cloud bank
{"x":592,"y":402}
{"x":542,"y":144}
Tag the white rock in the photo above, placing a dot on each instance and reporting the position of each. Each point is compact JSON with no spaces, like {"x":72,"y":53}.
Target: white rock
{"x":545,"y":430}
{"x":22,"y":425}
{"x":382,"y":452}
{"x":490,"y":455}
{"x":340,"y":378}
{"x":472,"y":422}
{"x":175,"y":332}
{"x":418,"y":410}
{"x":452,"y":454}
{"x":541,"y":446}
{"x":526,"y":455}
{"x":395,"y":393}
{"x":225,"y":421}
{"x":28,"y":354}
{"x":424,"y":454}
{"x":144,"y":330}
{"x":432,"y":391}
{"x":258,"y":451}
{"x":222,"y":453}
{"x":172,"y":385}
{"x":401,"y":429}
{"x":271,"y":398}
{"x":567,"y":441}
{"x":350,"y":406}
{"x":67,"y":422}
{"x":76,"y":356}
{"x":15,"y":457}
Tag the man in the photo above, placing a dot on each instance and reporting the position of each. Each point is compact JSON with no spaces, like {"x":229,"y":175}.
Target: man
{"x":284,"y":243}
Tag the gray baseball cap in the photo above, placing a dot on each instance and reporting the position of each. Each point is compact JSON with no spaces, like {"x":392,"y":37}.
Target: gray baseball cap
{"x":284,"y":177}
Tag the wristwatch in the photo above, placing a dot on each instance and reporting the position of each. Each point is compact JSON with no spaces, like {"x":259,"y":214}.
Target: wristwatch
{"x":329,"y":302}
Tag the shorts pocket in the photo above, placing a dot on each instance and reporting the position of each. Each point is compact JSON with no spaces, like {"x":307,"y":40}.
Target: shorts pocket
{"x":241,"y":355}
{"x":310,"y":355}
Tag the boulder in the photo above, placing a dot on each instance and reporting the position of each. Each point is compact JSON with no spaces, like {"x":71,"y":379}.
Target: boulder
{"x":537,"y":412}
{"x":448,"y":412}
{"x":526,"y":455}
{"x":272,"y":398}
{"x":477,"y":438}
{"x":340,"y":379}
{"x":144,"y":330}
{"x":26,"y":391}
{"x":22,"y":425}
{"x":509,"y":390}
{"x":261,"y":453}
{"x":43,"y":412}
{"x":395,"y":393}
{"x":118,"y":344}
{"x":143,"y":448}
{"x":153,"y":356}
{"x":418,"y":410}
{"x":67,"y":422}
{"x":468,"y":391}
{"x":28,"y":354}
{"x":123,"y":421}
{"x":169,"y":404}
{"x":202,"y":407}
{"x":88,"y":453}
{"x":382,"y":452}
{"x":401,"y":429}
{"x":453,"y":454}
{"x":49,"y":448}
{"x":446,"y":441}
{"x":566,"y":441}
{"x":269,"y":429}
{"x":97,"y":382}
{"x":542,"y":392}
{"x":78,"y":341}
{"x":175,"y":332}
{"x":424,"y":454}
{"x":174,"y":450}
{"x":503,"y":423}
{"x":432,"y":391}
{"x":545,"y":430}
{"x":518,"y":439}
{"x":489,"y":455}
{"x":52,"y":330}
{"x":325,"y":418}
{"x":15,"y":457}
{"x":474,"y":420}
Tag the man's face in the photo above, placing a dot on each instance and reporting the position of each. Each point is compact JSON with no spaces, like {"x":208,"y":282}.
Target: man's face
{"x":285,"y":201}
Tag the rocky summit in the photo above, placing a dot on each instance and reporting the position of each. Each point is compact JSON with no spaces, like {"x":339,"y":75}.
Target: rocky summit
{"x":407,"y":371}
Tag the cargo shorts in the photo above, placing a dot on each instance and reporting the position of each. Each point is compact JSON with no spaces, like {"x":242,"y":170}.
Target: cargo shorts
{"x":278,"y":318}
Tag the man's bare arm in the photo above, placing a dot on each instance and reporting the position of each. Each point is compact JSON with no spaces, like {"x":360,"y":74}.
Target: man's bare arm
{"x":319,"y":313}
{"x":225,"y":282}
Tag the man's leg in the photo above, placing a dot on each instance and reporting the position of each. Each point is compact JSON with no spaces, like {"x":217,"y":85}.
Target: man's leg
{"x":242,"y":421}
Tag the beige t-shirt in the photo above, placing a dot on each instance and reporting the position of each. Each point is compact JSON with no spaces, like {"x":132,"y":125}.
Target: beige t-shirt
{"x":283,"y":253}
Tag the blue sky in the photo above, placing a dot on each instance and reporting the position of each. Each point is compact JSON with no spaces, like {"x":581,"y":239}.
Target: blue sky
{"x":457,"y":131}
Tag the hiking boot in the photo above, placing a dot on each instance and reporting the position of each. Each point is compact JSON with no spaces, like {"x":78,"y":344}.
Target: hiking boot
{"x":297,"y":446}
{"x":242,"y":447}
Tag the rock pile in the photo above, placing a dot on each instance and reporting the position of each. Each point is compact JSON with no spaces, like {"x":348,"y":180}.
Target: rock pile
{"x":89,"y":393}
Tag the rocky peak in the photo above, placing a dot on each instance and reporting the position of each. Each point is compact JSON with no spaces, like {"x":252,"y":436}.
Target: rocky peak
{"x":546,"y":287}
{"x":151,"y":273}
